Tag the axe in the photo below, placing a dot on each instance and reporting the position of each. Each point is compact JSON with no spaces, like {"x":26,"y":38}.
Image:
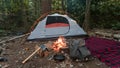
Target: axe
{"x":43,"y":47}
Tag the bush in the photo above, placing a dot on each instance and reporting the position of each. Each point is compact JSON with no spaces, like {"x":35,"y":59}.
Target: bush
{"x":116,"y":26}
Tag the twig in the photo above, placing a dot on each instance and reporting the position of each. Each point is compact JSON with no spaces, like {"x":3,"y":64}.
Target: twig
{"x":14,"y":38}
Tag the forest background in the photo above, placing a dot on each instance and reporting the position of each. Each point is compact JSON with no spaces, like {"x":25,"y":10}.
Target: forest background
{"x":17,"y":16}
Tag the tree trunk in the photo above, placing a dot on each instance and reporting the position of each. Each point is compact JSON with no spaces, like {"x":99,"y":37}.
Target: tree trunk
{"x":46,"y":6}
{"x":37,"y":8}
{"x":87,"y":16}
{"x":63,"y":5}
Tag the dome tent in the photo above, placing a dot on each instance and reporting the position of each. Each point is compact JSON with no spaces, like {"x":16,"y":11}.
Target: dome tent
{"x":56,"y":25}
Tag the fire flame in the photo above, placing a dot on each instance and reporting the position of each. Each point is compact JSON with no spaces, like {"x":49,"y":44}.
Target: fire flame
{"x":60,"y":43}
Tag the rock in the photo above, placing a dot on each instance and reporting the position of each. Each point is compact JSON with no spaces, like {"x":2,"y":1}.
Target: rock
{"x":2,"y":59}
{"x":80,"y":64}
{"x":50,"y":57}
{"x":33,"y":66}
{"x":71,"y":66}
{"x":4,"y":53}
{"x":0,"y":66}
{"x":1,"y":50}
{"x":116,"y":36}
{"x":30,"y":41}
{"x":21,"y":52}
{"x":63,"y":65}
{"x":4,"y":44}
{"x":6,"y":66}
{"x":16,"y":61}
{"x":20,"y":66}
{"x":119,"y":40}
{"x":20,"y":57}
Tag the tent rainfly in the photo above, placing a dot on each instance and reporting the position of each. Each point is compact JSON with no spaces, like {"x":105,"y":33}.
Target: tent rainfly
{"x":56,"y":25}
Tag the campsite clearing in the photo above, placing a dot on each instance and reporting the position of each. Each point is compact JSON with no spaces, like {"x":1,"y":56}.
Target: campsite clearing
{"x":15,"y":51}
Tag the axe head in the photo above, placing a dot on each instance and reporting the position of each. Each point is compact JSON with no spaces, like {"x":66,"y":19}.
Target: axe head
{"x":43,"y":47}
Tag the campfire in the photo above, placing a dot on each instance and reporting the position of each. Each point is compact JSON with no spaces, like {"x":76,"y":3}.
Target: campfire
{"x":58,"y":44}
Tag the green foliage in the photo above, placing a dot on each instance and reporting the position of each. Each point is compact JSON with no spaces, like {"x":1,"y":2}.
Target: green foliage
{"x":116,"y":26}
{"x":105,"y":13}
{"x":77,"y":9}
{"x":19,"y":15}
{"x":57,"y":4}
{"x":16,"y":15}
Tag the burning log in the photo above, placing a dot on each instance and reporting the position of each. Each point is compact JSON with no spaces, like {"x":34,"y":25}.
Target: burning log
{"x":60,"y":43}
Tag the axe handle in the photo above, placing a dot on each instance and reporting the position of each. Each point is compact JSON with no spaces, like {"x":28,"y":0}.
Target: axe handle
{"x":31,"y":55}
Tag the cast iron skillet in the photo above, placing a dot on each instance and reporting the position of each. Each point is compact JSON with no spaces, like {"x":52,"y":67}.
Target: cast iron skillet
{"x":59,"y":57}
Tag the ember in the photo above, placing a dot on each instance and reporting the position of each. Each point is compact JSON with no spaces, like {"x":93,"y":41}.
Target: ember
{"x":60,"y":43}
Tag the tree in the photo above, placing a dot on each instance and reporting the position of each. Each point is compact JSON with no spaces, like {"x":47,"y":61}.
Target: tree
{"x":87,"y":15}
{"x":76,"y":8}
{"x":46,"y":6}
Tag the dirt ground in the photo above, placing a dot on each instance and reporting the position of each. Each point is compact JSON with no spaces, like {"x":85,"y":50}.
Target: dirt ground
{"x":17,"y":50}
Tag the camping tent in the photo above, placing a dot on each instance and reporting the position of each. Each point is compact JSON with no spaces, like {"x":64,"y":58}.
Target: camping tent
{"x":55,"y":25}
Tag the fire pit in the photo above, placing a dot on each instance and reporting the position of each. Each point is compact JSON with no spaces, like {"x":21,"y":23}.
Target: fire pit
{"x":58,"y":45}
{"x":58,"y":49}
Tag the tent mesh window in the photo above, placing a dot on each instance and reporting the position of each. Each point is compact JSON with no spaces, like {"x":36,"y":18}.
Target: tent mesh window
{"x":56,"y":21}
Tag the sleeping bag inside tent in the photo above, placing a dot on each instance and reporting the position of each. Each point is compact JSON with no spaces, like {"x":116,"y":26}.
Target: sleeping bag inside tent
{"x":56,"y":25}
